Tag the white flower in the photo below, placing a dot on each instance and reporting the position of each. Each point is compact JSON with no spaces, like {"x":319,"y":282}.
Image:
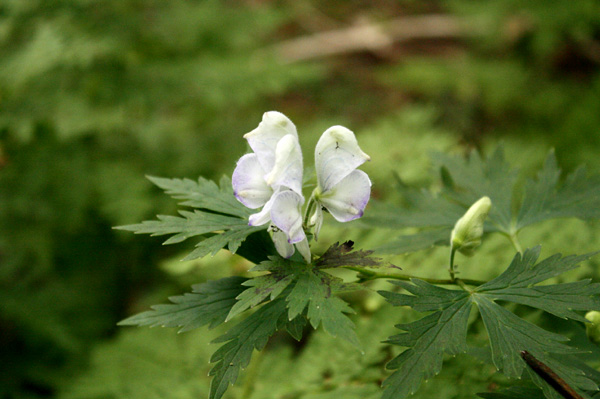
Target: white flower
{"x":341,"y":189}
{"x":271,"y":177}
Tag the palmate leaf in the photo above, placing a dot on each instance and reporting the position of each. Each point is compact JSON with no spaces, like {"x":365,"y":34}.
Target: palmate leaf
{"x":545,"y":198}
{"x":467,"y":180}
{"x":427,"y":339}
{"x":517,"y":284}
{"x":282,"y":272}
{"x":444,"y":331}
{"x":219,"y":220}
{"x":313,"y":293}
{"x":208,"y":303}
{"x":240,"y":341}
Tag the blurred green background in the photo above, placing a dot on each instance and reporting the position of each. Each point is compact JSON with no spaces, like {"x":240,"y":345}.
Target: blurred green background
{"x":96,"y":94}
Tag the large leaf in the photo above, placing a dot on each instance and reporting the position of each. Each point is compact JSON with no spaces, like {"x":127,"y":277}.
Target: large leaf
{"x":219,"y":220}
{"x":208,"y":303}
{"x":444,"y":330}
{"x":465,"y":180}
{"x":427,"y":339}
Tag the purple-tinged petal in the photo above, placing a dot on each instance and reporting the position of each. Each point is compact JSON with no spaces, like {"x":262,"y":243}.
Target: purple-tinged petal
{"x":285,"y":214}
{"x":264,"y":216}
{"x":249,"y":186}
{"x":337,"y":154}
{"x":287,"y":171}
{"x":263,"y":140}
{"x":347,"y":200}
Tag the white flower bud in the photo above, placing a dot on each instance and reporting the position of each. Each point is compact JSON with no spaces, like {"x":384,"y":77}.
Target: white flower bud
{"x":467,"y":232}
{"x":593,"y":327}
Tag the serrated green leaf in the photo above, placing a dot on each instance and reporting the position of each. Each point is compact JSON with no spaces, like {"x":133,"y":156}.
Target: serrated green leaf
{"x":509,"y":335}
{"x":545,"y":198}
{"x":475,"y":177}
{"x":208,"y":303}
{"x":203,"y":194}
{"x":221,"y":221}
{"x":343,"y":255}
{"x":427,"y":339}
{"x":516,"y":285}
{"x":313,"y":292}
{"x":465,"y":180}
{"x":239,"y":343}
{"x":261,"y":288}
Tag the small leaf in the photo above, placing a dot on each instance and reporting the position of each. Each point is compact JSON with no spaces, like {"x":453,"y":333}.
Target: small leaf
{"x":220,"y":220}
{"x":239,"y":343}
{"x":343,"y":255}
{"x":313,"y":292}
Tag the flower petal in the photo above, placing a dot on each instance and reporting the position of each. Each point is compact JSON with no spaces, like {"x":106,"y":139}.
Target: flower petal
{"x":337,"y":154}
{"x":304,"y":249}
{"x":283,"y":247}
{"x":347,"y":200}
{"x":249,"y":186}
{"x":285,"y":214}
{"x":264,"y":216}
{"x":287,"y":171}
{"x":316,"y":220}
{"x":263,"y":140}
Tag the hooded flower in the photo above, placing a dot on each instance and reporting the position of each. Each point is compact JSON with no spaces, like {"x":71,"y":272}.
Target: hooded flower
{"x":468,"y":230}
{"x":341,"y":189}
{"x":271,"y":178}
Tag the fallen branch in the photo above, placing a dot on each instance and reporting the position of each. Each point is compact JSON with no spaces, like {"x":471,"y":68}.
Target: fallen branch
{"x":369,"y":37}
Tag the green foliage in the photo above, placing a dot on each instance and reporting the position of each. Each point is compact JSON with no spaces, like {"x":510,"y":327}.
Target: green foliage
{"x":445,"y":330}
{"x":239,"y":343}
{"x":515,"y":393}
{"x":294,"y":294}
{"x":427,"y":339}
{"x":467,"y":180}
{"x":220,"y":220}
{"x":208,"y":303}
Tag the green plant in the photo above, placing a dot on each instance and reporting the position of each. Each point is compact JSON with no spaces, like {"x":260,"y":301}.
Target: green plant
{"x":292,"y":293}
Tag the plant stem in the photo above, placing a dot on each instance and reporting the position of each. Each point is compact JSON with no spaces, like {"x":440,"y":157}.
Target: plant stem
{"x":371,"y":275}
{"x":514,"y":240}
{"x":452,"y":273}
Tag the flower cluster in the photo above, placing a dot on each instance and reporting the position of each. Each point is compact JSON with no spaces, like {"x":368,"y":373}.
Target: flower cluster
{"x":271,"y":177}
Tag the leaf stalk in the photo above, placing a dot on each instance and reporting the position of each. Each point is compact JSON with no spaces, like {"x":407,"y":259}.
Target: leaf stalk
{"x":367,"y":275}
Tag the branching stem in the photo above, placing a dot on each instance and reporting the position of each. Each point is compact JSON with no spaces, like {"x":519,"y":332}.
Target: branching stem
{"x":367,"y":275}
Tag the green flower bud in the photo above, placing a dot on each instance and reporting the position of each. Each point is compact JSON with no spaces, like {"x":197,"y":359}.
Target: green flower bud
{"x":467,"y":232}
{"x":593,"y":327}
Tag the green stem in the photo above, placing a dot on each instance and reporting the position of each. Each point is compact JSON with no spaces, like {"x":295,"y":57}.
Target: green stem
{"x":309,"y":207}
{"x":514,"y":240}
{"x":367,"y":275}
{"x":452,"y":273}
